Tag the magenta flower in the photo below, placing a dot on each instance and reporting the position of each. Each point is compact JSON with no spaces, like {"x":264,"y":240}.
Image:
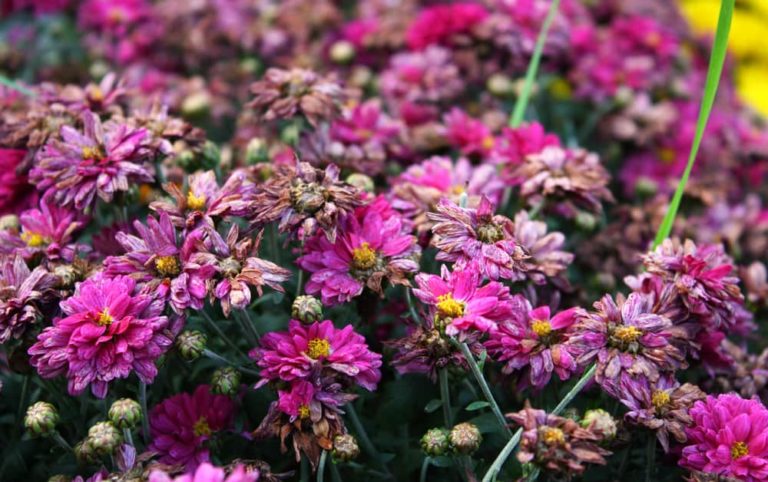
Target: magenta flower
{"x":729,"y":437}
{"x":467,"y":235}
{"x":459,"y":304}
{"x":514,"y":144}
{"x":21,"y":293}
{"x":164,"y":265}
{"x":310,"y":400}
{"x":48,"y":231}
{"x":470,"y":136}
{"x":15,"y":191}
{"x":293,"y":355}
{"x":370,"y":246}
{"x":103,"y":160}
{"x":108,"y":332}
{"x":547,"y":260}
{"x":180,"y":425}
{"x":440,"y":23}
{"x":531,"y":339}
{"x":206,"y":472}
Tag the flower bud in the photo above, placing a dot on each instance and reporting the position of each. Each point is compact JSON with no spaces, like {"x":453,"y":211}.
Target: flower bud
{"x":435,"y":442}
{"x":225,"y":381}
{"x":41,"y":419}
{"x":308,"y":197}
{"x":256,"y":151}
{"x":342,"y":52}
{"x":646,"y":187}
{"x":9,"y":222}
{"x":360,"y":181}
{"x":196,"y":104}
{"x":586,"y":221}
{"x":125,"y":413}
{"x":59,"y":478}
{"x":500,"y":85}
{"x":345,"y":448}
{"x":465,"y":438}
{"x":307,"y":309}
{"x":600,"y":422}
{"x":84,"y":453}
{"x":191,"y":344}
{"x":104,"y":438}
{"x":67,"y":275}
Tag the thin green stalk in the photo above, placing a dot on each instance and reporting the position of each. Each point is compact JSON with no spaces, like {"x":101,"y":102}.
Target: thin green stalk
{"x":362,"y":435}
{"x":22,"y":400}
{"x":215,"y":326}
{"x":445,"y":395}
{"x":424,"y":469}
{"x":12,"y":84}
{"x":507,"y":450}
{"x":533,"y":66}
{"x":304,"y":474}
{"x":484,"y":387}
{"x":321,"y":468}
{"x":56,"y":436}
{"x":714,"y":72}
{"x":411,"y":306}
{"x":245,"y":323}
{"x":650,"y":454}
{"x":128,"y":436}
{"x":216,"y":357}
{"x":335,"y":475}
{"x":144,"y":412}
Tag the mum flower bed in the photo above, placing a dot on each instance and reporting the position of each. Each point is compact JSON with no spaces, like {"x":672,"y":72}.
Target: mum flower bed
{"x":261,"y":240}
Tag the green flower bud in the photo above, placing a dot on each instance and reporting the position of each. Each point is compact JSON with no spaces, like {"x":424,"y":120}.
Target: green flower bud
{"x":345,"y":448}
{"x":59,"y":478}
{"x":361,"y":181}
{"x":104,"y":438}
{"x":435,"y":442}
{"x":307,"y":309}
{"x":342,"y":52}
{"x":125,"y":413}
{"x":191,"y":344}
{"x":600,"y":422}
{"x":225,"y":381}
{"x":465,"y":438}
{"x":41,"y":419}
{"x":9,"y":222}
{"x":84,"y":453}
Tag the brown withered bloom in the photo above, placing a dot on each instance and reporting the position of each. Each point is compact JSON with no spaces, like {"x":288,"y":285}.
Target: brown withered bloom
{"x":305,"y":198}
{"x":557,"y":444}
{"x":747,"y":374}
{"x":283,"y":94}
{"x":564,"y":178}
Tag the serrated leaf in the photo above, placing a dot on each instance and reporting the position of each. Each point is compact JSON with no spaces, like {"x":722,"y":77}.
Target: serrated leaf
{"x":477,"y":405}
{"x":433,"y":405}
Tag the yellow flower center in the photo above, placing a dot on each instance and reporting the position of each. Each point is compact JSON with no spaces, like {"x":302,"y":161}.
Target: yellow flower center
{"x":627,"y":334}
{"x":318,"y":347}
{"x":561,"y":89}
{"x":552,"y":436}
{"x":488,"y":142}
{"x":660,"y":399}
{"x":167,"y":265}
{"x":201,"y":428}
{"x":457,"y":189}
{"x":195,"y":203}
{"x":738,"y":450}
{"x":363,"y":257}
{"x":92,"y":152}
{"x":447,"y":307}
{"x":303,"y":412}
{"x":666,"y":155}
{"x":104,"y":317}
{"x":33,"y":240}
{"x":96,"y":94}
{"x":542,"y":328}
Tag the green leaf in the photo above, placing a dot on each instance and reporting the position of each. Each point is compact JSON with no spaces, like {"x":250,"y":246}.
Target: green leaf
{"x":481,"y":359}
{"x":530,"y":75}
{"x":714,"y":72}
{"x":477,"y":405}
{"x":433,"y":405}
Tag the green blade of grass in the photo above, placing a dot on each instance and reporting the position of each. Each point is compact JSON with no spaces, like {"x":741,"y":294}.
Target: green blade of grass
{"x":15,"y":86}
{"x":530,"y":75}
{"x":714,"y":71}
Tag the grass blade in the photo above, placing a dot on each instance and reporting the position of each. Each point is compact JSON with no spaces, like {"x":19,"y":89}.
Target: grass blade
{"x":15,"y":86}
{"x":714,"y":71}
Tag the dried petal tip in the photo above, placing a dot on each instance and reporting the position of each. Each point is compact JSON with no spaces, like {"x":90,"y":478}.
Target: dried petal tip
{"x":125,"y":413}
{"x":41,"y":419}
{"x":435,"y":442}
{"x":600,"y":422}
{"x":307,"y":309}
{"x":465,"y":438}
{"x":345,"y":448}
{"x":104,"y":438}
{"x":191,"y":344}
{"x":225,"y":381}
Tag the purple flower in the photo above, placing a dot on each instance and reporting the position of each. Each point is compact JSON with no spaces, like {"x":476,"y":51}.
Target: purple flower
{"x":294,"y":354}
{"x":547,"y":258}
{"x":536,"y":341}
{"x":459,"y":304}
{"x":21,"y":292}
{"x":155,"y":258}
{"x":729,"y":437}
{"x":180,"y":425}
{"x":306,"y":400}
{"x":108,"y":333}
{"x":206,"y":472}
{"x":103,"y":160}
{"x":466,"y":235}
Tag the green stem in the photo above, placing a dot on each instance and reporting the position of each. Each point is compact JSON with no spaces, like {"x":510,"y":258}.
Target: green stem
{"x":215,"y":326}
{"x":714,"y":72}
{"x":22,"y":400}
{"x":12,"y":84}
{"x":128,"y":436}
{"x":216,"y":357}
{"x":533,"y":66}
{"x":245,"y":322}
{"x":56,"y":436}
{"x":424,"y":469}
{"x":145,"y":412}
{"x":650,"y":455}
{"x":365,"y":440}
{"x":484,"y":387}
{"x":445,"y":395}
{"x":411,"y":306}
{"x":304,"y":474}
{"x":321,"y":468}
{"x":335,"y":475}
{"x":510,"y":446}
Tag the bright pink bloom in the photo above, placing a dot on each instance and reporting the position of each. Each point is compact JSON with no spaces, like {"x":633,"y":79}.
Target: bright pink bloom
{"x":180,"y":425}
{"x":467,"y":134}
{"x":206,"y":472}
{"x":108,"y":333}
{"x":439,"y":23}
{"x":514,"y":144}
{"x":729,"y":437}
{"x":15,"y":191}
{"x":296,"y":353}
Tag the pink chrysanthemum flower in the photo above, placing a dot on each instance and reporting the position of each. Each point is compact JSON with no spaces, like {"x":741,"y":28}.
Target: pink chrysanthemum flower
{"x":439,"y":24}
{"x":15,"y":191}
{"x":534,"y":340}
{"x":370,"y":246}
{"x":21,"y":291}
{"x":180,"y":425}
{"x":48,"y":231}
{"x":459,"y":304}
{"x":103,"y":160}
{"x":627,"y":336}
{"x":306,"y":400}
{"x":107,"y":333}
{"x":470,"y":136}
{"x":206,"y":472}
{"x":467,"y":235}
{"x":729,"y":437}
{"x":296,"y":353}
{"x":548,"y":260}
{"x":514,"y":144}
{"x":156,"y":258}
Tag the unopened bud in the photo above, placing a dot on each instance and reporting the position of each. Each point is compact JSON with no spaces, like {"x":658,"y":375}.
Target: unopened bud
{"x":191,"y":344}
{"x":196,"y":104}
{"x":41,"y":419}
{"x":307,"y":309}
{"x":9,"y":222}
{"x":500,"y":85}
{"x":125,"y":413}
{"x":225,"y":381}
{"x":104,"y":438}
{"x":84,"y":453}
{"x":342,"y":52}
{"x":361,"y":181}
{"x":345,"y":448}
{"x":600,"y":422}
{"x":435,"y":442}
{"x":465,"y":438}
